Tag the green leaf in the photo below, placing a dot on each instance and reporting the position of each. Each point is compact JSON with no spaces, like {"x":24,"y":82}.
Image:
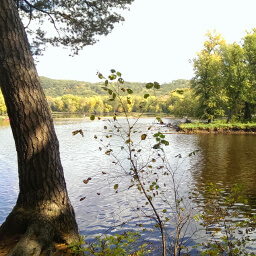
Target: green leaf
{"x":112,"y":77}
{"x":92,"y":117}
{"x":156,"y":85}
{"x":146,"y":96}
{"x":119,"y":74}
{"x":100,"y":76}
{"x":164,"y":211}
{"x":106,"y":82}
{"x":112,"y":71}
{"x":149,"y":85}
{"x":114,"y":96}
{"x":130,"y":91}
{"x":159,"y":119}
{"x":180,"y":91}
{"x":110,"y":91}
{"x":116,"y":186}
{"x":165,"y":142}
{"x":121,"y":80}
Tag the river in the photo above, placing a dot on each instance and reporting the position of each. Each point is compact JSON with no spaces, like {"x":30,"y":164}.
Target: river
{"x":223,"y":159}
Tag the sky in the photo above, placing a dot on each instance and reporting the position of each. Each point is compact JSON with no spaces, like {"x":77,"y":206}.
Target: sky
{"x":156,"y":41}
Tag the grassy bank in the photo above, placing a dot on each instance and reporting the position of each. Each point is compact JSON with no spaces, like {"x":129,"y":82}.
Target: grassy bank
{"x":218,"y":127}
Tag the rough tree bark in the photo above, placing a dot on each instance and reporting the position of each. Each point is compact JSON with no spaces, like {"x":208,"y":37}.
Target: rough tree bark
{"x":43,"y":212}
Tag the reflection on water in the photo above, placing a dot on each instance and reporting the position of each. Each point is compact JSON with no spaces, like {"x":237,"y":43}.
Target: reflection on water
{"x":223,"y":159}
{"x":226,"y":159}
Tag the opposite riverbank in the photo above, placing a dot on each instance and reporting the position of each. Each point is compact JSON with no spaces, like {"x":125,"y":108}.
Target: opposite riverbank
{"x":218,"y":127}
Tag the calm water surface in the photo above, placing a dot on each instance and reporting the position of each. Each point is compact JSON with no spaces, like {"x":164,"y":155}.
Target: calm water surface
{"x":223,"y":159}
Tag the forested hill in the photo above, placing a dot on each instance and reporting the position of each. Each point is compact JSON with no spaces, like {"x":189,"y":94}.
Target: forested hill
{"x":55,"y":88}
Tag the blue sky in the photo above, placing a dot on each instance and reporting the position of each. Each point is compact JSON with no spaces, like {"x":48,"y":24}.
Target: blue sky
{"x":155,"y":42}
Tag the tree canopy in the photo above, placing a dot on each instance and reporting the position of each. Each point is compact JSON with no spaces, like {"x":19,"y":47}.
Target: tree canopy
{"x":73,"y":23}
{"x":225,"y":78}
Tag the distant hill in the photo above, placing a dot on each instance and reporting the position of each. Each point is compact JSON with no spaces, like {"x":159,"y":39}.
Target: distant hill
{"x":55,"y":88}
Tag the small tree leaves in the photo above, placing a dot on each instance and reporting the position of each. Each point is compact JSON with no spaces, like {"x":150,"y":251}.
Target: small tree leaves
{"x":82,"y":198}
{"x":78,"y":131}
{"x":143,"y":136}
{"x":129,"y":100}
{"x":128,"y":141}
{"x":159,"y":120}
{"x":108,"y":152}
{"x":156,"y":146}
{"x":100,"y":76}
{"x":112,"y":71}
{"x":180,"y":91}
{"x":156,"y":85}
{"x":193,"y":153}
{"x":86,"y":181}
{"x":146,"y":96}
{"x":165,"y":142}
{"x":149,"y":85}
{"x":130,"y":91}
{"x":121,"y":80}
{"x":92,"y":117}
{"x":116,"y":186}
{"x":112,"y":77}
{"x":119,"y":74}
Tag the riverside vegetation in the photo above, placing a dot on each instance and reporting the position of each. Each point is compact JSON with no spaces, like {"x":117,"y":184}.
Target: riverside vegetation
{"x":142,"y":157}
{"x":223,"y":86}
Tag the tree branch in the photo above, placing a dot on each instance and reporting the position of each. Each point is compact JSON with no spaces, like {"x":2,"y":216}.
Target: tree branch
{"x":43,"y":11}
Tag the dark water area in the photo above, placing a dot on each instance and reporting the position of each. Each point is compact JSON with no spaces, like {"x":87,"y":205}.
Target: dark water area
{"x":223,"y":159}
{"x":226,"y":159}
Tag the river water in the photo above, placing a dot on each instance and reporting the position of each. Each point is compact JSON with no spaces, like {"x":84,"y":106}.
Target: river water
{"x":223,"y":159}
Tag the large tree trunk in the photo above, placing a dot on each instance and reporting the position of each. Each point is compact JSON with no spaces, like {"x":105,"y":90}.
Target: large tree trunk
{"x":43,"y":212}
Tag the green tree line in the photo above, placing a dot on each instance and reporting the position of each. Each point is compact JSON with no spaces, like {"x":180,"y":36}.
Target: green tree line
{"x":83,"y":97}
{"x":56,"y":88}
{"x":225,"y":78}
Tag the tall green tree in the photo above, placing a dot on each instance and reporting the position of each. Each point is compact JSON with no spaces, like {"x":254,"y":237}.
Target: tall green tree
{"x":43,"y":213}
{"x":207,"y":79}
{"x":235,"y":79}
{"x":249,"y":46}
